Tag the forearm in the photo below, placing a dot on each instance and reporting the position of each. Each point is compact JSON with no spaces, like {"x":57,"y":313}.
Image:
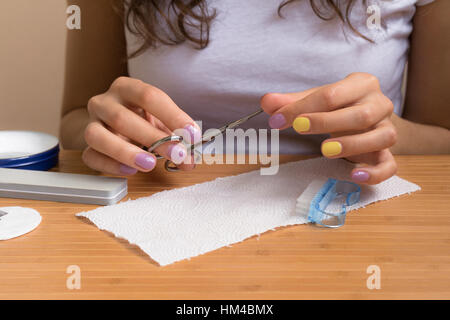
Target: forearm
{"x":72,"y":129}
{"x":95,"y":56}
{"x":416,"y":138}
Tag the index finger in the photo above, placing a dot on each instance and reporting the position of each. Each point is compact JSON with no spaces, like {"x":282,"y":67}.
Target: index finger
{"x":137,"y":93}
{"x":327,"y":98}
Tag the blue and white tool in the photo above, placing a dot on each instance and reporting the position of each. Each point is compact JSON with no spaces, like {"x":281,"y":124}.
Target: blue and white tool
{"x":325,"y":201}
{"x":28,"y":150}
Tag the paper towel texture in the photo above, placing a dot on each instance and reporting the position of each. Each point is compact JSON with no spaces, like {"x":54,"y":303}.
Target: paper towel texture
{"x":178,"y":224}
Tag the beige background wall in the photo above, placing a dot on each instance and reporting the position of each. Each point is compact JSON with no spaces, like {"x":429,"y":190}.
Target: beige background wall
{"x":32,"y":49}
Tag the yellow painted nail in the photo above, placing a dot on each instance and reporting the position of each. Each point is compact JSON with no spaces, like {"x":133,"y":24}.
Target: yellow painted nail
{"x":301,"y":124}
{"x":330,"y":149}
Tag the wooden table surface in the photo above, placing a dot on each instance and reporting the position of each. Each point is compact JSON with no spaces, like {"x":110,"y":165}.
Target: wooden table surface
{"x":408,"y":238}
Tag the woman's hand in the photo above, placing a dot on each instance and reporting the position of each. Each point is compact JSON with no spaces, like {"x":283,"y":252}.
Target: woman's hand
{"x":129,"y":115}
{"x":356,"y":114}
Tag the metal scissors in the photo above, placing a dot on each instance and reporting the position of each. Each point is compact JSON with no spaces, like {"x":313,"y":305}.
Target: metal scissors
{"x":170,"y":166}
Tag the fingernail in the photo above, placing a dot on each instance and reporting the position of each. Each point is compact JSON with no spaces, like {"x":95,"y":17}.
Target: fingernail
{"x":195,"y":134}
{"x":177,"y":153}
{"x":360,"y":176}
{"x":126,"y":170}
{"x":330,"y":149}
{"x":301,"y":124}
{"x":145,"y":161}
{"x":277,"y":121}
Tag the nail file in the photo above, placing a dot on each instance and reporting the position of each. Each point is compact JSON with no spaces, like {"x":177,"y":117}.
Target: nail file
{"x":61,"y":187}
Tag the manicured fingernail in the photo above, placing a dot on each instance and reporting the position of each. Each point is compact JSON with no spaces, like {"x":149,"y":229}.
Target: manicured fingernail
{"x":126,"y":170}
{"x":330,"y":149}
{"x":145,"y":161}
{"x":195,"y":134}
{"x":177,"y":153}
{"x":301,"y":124}
{"x":360,"y":176}
{"x":277,"y":121}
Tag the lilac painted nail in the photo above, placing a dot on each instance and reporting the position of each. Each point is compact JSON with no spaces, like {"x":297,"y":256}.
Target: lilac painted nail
{"x":360,"y":176}
{"x":145,"y":161}
{"x":177,"y":153}
{"x":277,"y":121}
{"x":195,"y":134}
{"x":126,"y":170}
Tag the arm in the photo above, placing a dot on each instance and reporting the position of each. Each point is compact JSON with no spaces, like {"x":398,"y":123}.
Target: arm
{"x":96,"y":55}
{"x":108,"y":114}
{"x":424,"y":128}
{"x":369,"y":135}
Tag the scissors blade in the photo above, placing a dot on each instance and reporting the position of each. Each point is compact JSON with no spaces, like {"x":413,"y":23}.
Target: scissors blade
{"x":238,"y":122}
{"x":209,"y":137}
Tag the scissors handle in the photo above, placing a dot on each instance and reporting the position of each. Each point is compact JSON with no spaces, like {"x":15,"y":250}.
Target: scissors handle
{"x":170,"y":166}
{"x":160,"y":142}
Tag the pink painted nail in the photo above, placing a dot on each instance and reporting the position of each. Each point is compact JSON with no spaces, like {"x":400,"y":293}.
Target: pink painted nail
{"x":277,"y":121}
{"x":360,"y":176}
{"x":195,"y":134}
{"x":145,"y":161}
{"x":126,"y":170}
{"x":177,"y":153}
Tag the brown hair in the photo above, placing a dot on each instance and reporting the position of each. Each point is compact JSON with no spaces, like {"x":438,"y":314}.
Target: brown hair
{"x":172,"y":22}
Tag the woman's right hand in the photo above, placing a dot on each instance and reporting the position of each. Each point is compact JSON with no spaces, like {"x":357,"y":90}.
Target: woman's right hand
{"x":129,"y":115}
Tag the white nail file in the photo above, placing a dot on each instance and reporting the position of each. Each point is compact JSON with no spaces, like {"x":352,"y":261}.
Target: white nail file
{"x":61,"y":187}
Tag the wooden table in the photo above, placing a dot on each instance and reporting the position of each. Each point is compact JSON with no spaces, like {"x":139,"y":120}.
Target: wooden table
{"x":407,"y":237}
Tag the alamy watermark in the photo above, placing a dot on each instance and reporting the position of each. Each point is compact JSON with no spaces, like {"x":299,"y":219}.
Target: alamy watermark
{"x":73,"y":21}
{"x":234,"y":146}
{"x":374,"y":20}
{"x":374,"y":280}
{"x":73,"y":282}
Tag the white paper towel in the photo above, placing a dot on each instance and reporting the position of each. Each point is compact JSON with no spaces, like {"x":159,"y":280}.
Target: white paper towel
{"x":178,"y":224}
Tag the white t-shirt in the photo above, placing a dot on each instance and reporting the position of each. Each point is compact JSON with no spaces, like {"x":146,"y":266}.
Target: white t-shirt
{"x":253,"y":51}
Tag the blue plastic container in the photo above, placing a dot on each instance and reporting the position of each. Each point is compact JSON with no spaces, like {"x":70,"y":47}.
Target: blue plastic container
{"x":28,"y":150}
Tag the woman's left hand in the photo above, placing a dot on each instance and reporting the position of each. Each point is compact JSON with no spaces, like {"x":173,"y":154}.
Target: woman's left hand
{"x":354,"y":112}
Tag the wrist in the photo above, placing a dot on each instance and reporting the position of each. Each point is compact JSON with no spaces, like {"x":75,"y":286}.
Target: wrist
{"x":72,"y":129}
{"x":417,"y":138}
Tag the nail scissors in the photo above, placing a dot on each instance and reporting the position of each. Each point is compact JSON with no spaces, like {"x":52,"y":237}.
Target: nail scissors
{"x":170,"y":166}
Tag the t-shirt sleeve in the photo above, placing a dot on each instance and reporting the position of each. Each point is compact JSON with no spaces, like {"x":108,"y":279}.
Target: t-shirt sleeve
{"x":423,"y":2}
